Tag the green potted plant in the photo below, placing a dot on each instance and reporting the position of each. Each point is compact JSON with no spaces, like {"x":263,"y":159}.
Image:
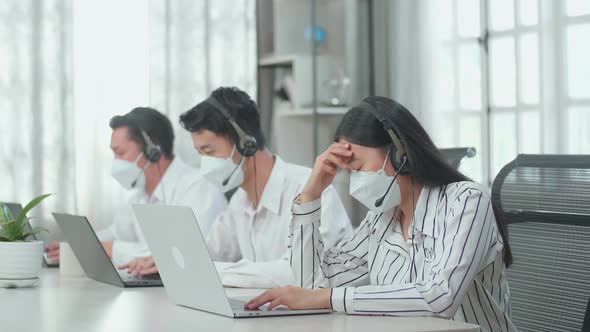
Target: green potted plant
{"x":21,"y":254}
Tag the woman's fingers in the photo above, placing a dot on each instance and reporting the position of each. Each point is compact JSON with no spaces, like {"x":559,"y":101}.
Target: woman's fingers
{"x":335,"y":160}
{"x":260,"y":300}
{"x":325,"y":169}
{"x":337,"y":154}
{"x":341,"y":152}
{"x":274,"y":303}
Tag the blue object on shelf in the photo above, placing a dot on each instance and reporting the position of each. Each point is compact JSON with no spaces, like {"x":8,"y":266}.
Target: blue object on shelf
{"x":318,"y":33}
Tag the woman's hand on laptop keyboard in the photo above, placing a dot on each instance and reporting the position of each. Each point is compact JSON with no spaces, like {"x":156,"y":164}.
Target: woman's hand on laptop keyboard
{"x":140,"y":266}
{"x":293,"y":297}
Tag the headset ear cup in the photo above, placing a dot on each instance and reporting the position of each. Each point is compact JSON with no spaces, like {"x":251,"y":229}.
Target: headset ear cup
{"x":397,"y":164}
{"x":403,"y":162}
{"x":392,"y":156}
{"x":156,"y":155}
{"x":248,"y":146}
{"x":153,"y":154}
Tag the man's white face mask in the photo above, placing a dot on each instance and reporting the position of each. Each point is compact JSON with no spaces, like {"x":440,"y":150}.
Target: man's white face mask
{"x":223,"y":172}
{"x":369,"y":186}
{"x":128,"y":173}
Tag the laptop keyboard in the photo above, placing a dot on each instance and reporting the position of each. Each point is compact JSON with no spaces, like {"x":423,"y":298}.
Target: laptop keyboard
{"x":129,"y":277}
{"x":237,"y":305}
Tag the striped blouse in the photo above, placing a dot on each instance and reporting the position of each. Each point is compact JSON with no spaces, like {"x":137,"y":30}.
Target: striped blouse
{"x":451,"y":266}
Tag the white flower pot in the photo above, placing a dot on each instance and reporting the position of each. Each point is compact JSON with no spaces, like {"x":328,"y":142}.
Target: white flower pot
{"x":21,"y":260}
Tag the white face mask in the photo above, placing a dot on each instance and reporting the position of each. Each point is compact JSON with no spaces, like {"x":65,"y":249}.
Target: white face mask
{"x":368,"y":187}
{"x":128,"y":174}
{"x":222,"y":171}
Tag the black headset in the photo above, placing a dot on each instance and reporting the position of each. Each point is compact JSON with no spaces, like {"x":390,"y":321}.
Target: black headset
{"x":152,"y":152}
{"x":246,"y":144}
{"x":398,"y":152}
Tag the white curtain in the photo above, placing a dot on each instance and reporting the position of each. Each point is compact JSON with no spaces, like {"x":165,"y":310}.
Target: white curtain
{"x":434,"y":76}
{"x":412,"y":55}
{"x":36,"y":115}
{"x":68,"y":66}
{"x":532,"y":76}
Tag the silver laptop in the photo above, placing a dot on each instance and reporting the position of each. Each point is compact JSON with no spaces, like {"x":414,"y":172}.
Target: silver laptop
{"x":15,"y":209}
{"x":184,"y":263}
{"x":92,"y":256}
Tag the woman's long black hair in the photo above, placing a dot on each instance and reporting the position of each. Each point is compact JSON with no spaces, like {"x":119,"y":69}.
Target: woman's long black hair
{"x":427,"y":164}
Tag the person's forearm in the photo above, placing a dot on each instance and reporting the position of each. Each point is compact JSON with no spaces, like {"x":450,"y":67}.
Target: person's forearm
{"x":306,"y":248}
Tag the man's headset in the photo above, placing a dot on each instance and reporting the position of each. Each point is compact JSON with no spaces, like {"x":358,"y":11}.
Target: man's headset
{"x":152,"y":152}
{"x":246,"y":144}
{"x":398,"y":153}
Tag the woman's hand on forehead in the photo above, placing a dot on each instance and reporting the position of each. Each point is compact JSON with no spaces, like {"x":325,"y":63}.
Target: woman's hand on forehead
{"x":343,"y":152}
{"x":325,"y":169}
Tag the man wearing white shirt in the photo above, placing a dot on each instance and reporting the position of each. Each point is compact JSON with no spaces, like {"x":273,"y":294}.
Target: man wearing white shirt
{"x":249,"y":241}
{"x":142,"y":142}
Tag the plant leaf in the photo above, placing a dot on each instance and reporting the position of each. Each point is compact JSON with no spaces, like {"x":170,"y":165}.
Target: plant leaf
{"x":34,"y":231}
{"x":3,"y":223}
{"x":5,"y":214}
{"x":22,"y":215}
{"x":12,"y":231}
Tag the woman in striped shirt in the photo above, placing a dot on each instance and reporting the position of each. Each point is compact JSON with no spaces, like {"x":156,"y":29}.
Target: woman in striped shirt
{"x":431,"y":244}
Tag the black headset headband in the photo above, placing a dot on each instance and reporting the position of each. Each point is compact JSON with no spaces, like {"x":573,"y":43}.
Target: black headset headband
{"x":246,"y":144}
{"x":390,"y":128}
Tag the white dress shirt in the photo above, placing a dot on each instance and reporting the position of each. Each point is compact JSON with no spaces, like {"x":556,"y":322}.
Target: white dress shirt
{"x":254,"y":243}
{"x":451,"y":266}
{"x":181,"y":185}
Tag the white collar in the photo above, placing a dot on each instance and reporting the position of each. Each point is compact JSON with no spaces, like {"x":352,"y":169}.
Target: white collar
{"x":273,"y":190}
{"x":165,"y":188}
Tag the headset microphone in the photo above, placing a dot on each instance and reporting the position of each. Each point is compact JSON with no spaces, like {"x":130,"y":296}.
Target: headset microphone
{"x":379,"y":201}
{"x":134,"y":183}
{"x":232,"y":172}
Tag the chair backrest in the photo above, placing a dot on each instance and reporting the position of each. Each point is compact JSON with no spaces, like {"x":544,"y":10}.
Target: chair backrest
{"x":586,"y":326}
{"x":546,"y":202}
{"x":455,"y":155}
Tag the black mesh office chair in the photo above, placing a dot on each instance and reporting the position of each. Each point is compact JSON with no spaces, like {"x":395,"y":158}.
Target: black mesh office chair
{"x":456,"y":155}
{"x":546,"y":201}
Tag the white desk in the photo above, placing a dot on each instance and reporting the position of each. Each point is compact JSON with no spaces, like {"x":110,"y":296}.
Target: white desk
{"x":81,"y":304}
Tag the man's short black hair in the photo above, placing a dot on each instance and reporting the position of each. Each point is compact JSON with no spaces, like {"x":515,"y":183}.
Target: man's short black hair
{"x":155,"y":124}
{"x":239,"y":105}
